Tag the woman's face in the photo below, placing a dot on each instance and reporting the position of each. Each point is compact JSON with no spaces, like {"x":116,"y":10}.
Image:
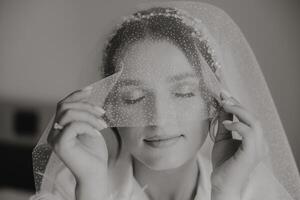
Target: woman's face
{"x":157,"y":75}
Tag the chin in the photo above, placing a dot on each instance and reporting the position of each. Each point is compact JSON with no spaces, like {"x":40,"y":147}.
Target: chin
{"x":170,"y":161}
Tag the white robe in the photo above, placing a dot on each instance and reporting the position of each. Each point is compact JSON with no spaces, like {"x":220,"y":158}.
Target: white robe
{"x":123,"y":186}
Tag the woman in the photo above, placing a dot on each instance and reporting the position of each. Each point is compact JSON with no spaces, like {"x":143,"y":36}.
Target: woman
{"x":163,"y":103}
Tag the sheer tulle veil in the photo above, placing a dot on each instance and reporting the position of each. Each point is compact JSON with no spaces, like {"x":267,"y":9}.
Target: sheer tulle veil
{"x":236,"y":70}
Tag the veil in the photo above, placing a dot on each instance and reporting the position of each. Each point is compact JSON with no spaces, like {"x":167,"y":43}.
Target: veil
{"x":227,"y":62}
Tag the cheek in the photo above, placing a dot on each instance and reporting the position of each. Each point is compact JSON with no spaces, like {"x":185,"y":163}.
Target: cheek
{"x":195,"y":130}
{"x":194,"y":125}
{"x":131,"y":137}
{"x":199,"y":131}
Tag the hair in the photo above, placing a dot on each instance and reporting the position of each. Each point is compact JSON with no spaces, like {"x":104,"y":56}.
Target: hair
{"x":156,"y":27}
{"x":153,"y":26}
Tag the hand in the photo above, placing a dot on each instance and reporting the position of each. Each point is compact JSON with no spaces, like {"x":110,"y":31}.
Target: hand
{"x":234,"y":160}
{"x":79,"y":144}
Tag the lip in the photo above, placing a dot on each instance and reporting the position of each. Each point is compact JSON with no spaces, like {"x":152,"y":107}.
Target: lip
{"x":162,"y":141}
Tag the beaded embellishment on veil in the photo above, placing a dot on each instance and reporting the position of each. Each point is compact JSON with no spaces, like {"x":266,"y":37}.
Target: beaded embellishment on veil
{"x":202,"y":44}
{"x":206,"y":50}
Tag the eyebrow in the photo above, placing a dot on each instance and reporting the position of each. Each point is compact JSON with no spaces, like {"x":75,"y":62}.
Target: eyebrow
{"x":182,"y":76}
{"x":175,"y":78}
{"x":126,"y":82}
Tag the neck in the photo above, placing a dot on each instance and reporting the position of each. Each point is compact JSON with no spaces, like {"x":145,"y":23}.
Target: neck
{"x":171,"y":184}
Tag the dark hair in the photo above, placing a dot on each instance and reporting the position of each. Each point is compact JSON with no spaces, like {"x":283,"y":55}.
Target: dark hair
{"x":156,"y":26}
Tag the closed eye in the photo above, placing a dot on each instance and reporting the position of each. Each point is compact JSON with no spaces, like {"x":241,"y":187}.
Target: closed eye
{"x":133,"y":101}
{"x":185,"y":89}
{"x":184,"y":95}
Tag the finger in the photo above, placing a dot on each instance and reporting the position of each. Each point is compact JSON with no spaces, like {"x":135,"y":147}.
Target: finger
{"x":78,"y":95}
{"x":244,"y":115}
{"x":83,"y":106}
{"x":71,"y":132}
{"x":52,"y":135}
{"x":255,"y":123}
{"x":243,"y":130}
{"x":79,"y":128}
{"x":82,"y":116}
{"x":225,"y":94}
{"x":240,"y":112}
{"x":222,"y":132}
{"x":235,"y":101}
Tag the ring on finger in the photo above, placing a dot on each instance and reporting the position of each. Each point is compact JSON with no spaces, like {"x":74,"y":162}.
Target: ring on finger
{"x":57,"y":126}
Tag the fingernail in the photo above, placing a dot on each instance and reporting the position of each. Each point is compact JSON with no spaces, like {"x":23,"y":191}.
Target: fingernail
{"x":226,"y":94}
{"x":102,"y":123}
{"x":105,"y":125}
{"x":226,"y":122}
{"x":99,"y":109}
{"x":87,"y":88}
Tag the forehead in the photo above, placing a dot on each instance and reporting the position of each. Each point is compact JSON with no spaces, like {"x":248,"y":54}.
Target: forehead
{"x":153,"y":60}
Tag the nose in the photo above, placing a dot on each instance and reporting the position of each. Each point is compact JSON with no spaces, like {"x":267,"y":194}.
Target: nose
{"x":161,"y":111}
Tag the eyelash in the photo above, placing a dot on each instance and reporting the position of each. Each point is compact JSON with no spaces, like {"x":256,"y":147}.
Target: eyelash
{"x":130,"y":101}
{"x":180,"y":95}
{"x":185,"y":95}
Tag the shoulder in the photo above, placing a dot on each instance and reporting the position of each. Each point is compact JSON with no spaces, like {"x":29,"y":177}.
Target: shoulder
{"x":263,"y":184}
{"x":59,"y":187}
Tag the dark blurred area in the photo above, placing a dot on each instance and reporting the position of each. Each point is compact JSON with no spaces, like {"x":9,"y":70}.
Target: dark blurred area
{"x":16,"y":158}
{"x":21,"y":125}
{"x":16,"y":165}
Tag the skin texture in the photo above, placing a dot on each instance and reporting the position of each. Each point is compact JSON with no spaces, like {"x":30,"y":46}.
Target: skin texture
{"x":171,"y":92}
{"x":169,"y":97}
{"x":81,"y":146}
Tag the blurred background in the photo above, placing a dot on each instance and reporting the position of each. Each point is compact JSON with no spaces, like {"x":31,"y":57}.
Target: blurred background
{"x":49,"y":48}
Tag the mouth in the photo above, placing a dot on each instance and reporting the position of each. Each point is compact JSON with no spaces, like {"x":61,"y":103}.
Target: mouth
{"x":160,"y":142}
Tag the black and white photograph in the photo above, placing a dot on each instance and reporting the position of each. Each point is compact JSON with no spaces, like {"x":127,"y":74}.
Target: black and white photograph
{"x":149,"y":100}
